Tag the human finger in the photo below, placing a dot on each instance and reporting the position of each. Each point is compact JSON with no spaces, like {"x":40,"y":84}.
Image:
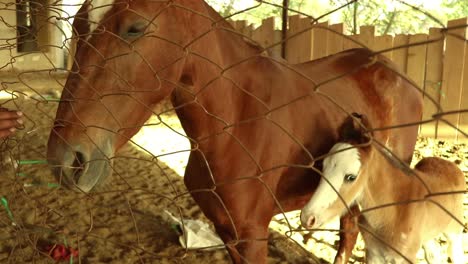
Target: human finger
{"x":10,"y":123}
{"x":5,"y":115}
{"x":4,"y":133}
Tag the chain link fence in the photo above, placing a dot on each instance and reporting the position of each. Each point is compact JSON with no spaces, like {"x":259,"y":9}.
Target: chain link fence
{"x":134,"y":215}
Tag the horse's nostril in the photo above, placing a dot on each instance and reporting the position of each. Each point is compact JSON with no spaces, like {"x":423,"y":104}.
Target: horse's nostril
{"x":78,"y":166}
{"x":310,"y":222}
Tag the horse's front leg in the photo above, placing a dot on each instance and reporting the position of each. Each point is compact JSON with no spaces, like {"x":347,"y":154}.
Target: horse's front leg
{"x":348,"y":235}
{"x":240,"y":213}
{"x":247,"y":244}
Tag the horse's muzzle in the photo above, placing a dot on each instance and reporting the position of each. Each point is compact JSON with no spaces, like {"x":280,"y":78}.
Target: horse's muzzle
{"x":79,"y":166}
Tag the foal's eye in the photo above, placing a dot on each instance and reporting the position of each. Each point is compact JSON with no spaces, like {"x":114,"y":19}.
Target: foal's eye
{"x":350,"y":177}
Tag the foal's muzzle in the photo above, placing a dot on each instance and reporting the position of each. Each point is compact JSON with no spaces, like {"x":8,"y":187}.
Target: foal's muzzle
{"x":309,"y":221}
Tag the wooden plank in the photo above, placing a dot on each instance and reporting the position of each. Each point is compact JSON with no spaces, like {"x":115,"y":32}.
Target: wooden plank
{"x":349,"y":44}
{"x":383,"y":43}
{"x":248,"y":30}
{"x":263,"y":34}
{"x":232,"y":23}
{"x":320,"y":41}
{"x":432,"y":83}
{"x":293,"y":40}
{"x":400,"y":53}
{"x":366,"y":36}
{"x":452,"y":76}
{"x":335,"y":38}
{"x":300,"y":41}
{"x":463,"y":122}
{"x":266,"y":35}
{"x":240,"y":25}
{"x":417,"y":59}
{"x":276,"y":50}
{"x":306,"y":48}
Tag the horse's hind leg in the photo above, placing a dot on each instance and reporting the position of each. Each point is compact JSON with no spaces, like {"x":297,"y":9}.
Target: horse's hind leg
{"x":455,"y":248}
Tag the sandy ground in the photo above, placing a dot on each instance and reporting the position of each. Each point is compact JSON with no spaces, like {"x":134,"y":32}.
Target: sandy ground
{"x":124,"y":222}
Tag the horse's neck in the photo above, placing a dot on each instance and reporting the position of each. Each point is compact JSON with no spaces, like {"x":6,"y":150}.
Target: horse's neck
{"x":223,"y":45}
{"x":209,"y":75}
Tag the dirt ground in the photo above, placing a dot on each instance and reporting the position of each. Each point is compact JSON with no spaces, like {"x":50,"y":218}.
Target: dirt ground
{"x":124,"y":222}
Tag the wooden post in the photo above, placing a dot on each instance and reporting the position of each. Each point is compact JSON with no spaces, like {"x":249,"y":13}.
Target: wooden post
{"x":284,"y":27}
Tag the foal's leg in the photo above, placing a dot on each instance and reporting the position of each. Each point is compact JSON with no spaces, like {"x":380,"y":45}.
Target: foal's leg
{"x":455,"y":248}
{"x":348,"y":235}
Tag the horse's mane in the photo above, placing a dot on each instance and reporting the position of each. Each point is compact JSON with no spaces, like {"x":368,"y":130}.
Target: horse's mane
{"x":227,"y":26}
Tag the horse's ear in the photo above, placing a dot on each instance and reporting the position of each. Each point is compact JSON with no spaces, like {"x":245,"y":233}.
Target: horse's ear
{"x":367,"y":125}
{"x":81,"y":22}
{"x":351,"y":130}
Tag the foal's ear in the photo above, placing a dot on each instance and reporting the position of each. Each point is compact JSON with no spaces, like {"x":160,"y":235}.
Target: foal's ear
{"x":351,"y":130}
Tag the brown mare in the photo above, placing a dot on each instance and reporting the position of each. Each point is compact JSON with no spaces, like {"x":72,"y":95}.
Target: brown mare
{"x":362,"y":174}
{"x":255,"y":123}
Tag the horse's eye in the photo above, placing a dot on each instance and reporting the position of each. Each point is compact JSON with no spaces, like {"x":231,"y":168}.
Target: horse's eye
{"x":136,"y":30}
{"x":350,"y":177}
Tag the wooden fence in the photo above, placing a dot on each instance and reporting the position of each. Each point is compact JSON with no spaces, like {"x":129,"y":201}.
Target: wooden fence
{"x":440,"y":68}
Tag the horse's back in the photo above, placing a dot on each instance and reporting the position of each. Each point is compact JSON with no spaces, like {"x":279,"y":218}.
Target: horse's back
{"x":387,"y":96}
{"x":441,"y":173}
{"x":378,"y":79}
{"x":335,"y":65}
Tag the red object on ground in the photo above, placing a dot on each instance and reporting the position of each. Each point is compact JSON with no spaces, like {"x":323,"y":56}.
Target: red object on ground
{"x":61,"y":252}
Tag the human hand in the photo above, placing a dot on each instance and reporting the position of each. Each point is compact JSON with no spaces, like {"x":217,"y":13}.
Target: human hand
{"x":9,"y":120}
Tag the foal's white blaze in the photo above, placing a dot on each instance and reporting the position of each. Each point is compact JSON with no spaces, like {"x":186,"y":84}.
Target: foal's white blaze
{"x":346,"y":160}
{"x":97,"y":9}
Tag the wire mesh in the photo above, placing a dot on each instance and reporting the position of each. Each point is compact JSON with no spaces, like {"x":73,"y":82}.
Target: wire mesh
{"x":124,"y":218}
